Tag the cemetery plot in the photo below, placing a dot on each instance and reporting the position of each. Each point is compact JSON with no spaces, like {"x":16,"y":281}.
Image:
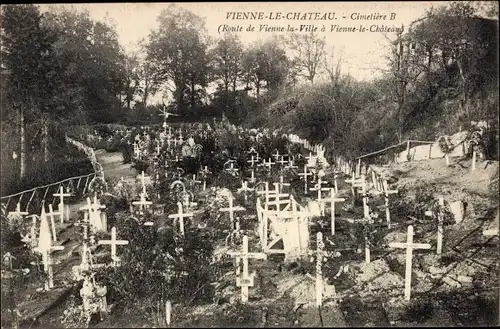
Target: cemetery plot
{"x":219,"y":228}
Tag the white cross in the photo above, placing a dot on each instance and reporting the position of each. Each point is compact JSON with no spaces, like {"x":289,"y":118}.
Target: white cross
{"x":252,"y":176}
{"x":290,"y":164}
{"x":282,"y":184}
{"x":60,"y":206}
{"x":113,"y":242}
{"x":320,"y":253}
{"x":231,"y":170}
{"x":388,"y":192}
{"x":204,"y":174}
{"x":364,"y":221}
{"x":276,"y":155}
{"x":267,"y":164}
{"x":304,"y":177}
{"x":332,"y":201}
{"x":166,"y":114}
{"x":409,"y":245}
{"x":282,"y":161}
{"x":142,"y":203}
{"x":231,"y":209}
{"x":317,"y":187}
{"x":47,"y":265}
{"x":18,"y":212}
{"x":439,"y":247}
{"x":52,"y":214}
{"x":244,"y":188}
{"x":252,"y":161}
{"x":180,"y":216}
{"x":246,"y":280}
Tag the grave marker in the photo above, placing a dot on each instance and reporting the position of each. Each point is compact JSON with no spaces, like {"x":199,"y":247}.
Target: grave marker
{"x":245,"y":280}
{"x":60,"y":206}
{"x":113,"y":243}
{"x":409,"y":245}
{"x":332,"y":201}
{"x":180,"y":216}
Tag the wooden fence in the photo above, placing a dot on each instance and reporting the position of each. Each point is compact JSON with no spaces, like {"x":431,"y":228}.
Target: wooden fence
{"x":32,"y":200}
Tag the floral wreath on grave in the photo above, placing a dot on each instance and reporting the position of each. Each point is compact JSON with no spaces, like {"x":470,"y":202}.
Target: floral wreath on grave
{"x":97,"y":186}
{"x":475,"y":138}
{"x":445,"y":144}
{"x":444,"y":211}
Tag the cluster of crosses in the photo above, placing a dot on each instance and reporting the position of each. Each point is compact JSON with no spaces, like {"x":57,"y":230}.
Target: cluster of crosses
{"x":289,"y":220}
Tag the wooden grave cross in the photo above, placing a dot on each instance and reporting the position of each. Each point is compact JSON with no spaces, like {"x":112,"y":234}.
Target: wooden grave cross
{"x":290,"y":164}
{"x":233,"y":171}
{"x":282,"y":161}
{"x":320,"y":253}
{"x":32,"y":234}
{"x":52,"y":214}
{"x":252,"y":178}
{"x":409,"y":245}
{"x":440,"y":220}
{"x":365,"y":221}
{"x":231,"y":210}
{"x":47,"y":265}
{"x":204,"y":174}
{"x":282,"y":184}
{"x":245,"y":280}
{"x":318,"y":187}
{"x":388,"y":192}
{"x":267,"y":164}
{"x":60,"y":206}
{"x":180,"y":216}
{"x":352,"y":181}
{"x":142,"y":203}
{"x":304,"y":177}
{"x":244,"y":189}
{"x":332,"y":199}
{"x":252,"y":161}
{"x":113,"y":243}
{"x":17,"y":213}
{"x":276,"y":155}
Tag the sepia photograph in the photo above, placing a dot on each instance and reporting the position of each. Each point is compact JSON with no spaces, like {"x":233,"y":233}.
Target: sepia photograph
{"x":249,"y":164}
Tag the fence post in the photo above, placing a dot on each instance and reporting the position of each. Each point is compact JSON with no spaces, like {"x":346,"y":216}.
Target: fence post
{"x":408,"y":155}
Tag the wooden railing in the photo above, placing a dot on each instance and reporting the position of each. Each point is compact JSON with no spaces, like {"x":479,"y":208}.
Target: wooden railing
{"x":32,"y":200}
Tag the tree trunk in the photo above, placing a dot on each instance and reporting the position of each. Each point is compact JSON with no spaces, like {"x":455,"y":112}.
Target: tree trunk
{"x":465,"y":105}
{"x":46,"y":140}
{"x":193,"y":93}
{"x":145,"y":95}
{"x":22,"y":155}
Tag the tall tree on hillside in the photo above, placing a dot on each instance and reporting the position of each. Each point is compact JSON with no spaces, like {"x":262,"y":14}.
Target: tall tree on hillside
{"x":274,"y":63}
{"x":132,"y":78}
{"x":91,"y":72}
{"x":149,"y":82}
{"x":308,"y":53}
{"x":265,"y":62}
{"x":25,"y":45}
{"x":177,"y":52}
{"x":450,"y":36}
{"x":226,"y":64}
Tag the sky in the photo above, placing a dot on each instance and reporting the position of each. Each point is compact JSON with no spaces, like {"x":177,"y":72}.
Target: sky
{"x":363,"y":52}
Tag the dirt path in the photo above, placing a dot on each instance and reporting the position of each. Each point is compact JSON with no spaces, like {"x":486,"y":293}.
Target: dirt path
{"x":113,"y":166}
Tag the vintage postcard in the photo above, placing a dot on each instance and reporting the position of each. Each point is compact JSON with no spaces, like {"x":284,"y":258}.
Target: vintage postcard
{"x":249,"y":164}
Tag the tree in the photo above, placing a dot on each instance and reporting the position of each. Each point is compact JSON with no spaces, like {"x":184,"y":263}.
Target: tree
{"x":265,"y":62}
{"x":25,"y":45}
{"x":132,"y":78}
{"x":226,"y":64}
{"x":309,"y":52}
{"x":177,"y":52}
